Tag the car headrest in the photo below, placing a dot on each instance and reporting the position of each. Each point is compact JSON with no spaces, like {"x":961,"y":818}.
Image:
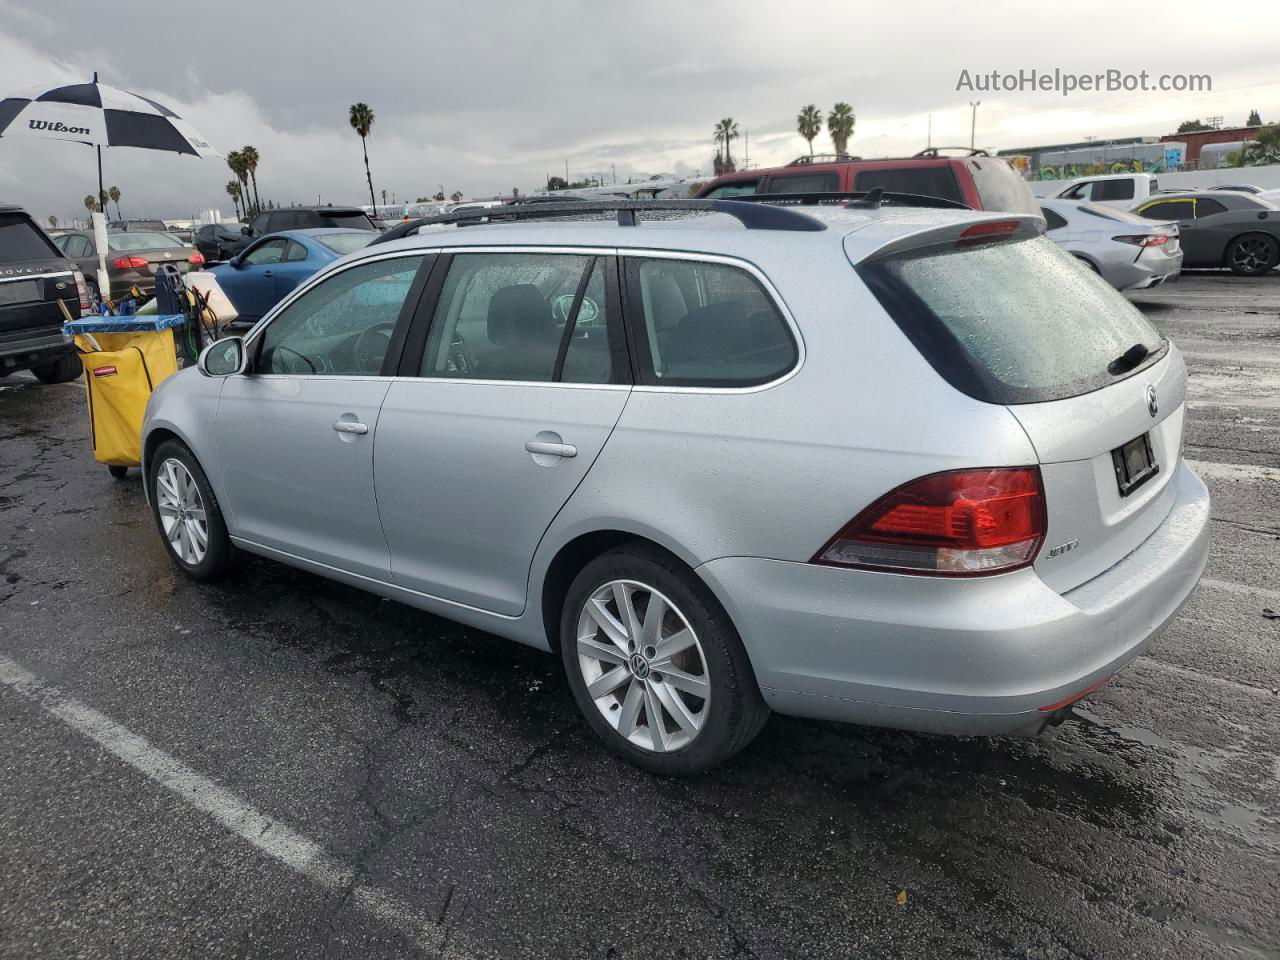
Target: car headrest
{"x":666,"y":302}
{"x":518,"y":314}
{"x":712,"y":332}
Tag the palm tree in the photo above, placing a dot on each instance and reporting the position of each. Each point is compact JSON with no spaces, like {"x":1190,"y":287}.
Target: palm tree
{"x":53,"y":222}
{"x":384,"y":197}
{"x":114,"y":194}
{"x":840,"y":123}
{"x":726,"y":131}
{"x":361,"y":118}
{"x":233,"y":190}
{"x":249,"y":157}
{"x":809,"y":124}
{"x":235,"y":160}
{"x":455,"y":196}
{"x":90,"y":204}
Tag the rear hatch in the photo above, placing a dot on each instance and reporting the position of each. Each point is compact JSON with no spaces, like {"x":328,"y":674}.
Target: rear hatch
{"x":1007,"y":317}
{"x":34,"y":275}
{"x":145,"y":253}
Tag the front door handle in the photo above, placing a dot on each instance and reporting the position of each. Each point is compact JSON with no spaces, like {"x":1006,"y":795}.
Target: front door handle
{"x":565,"y":450}
{"x":268,"y":273}
{"x":350,"y":426}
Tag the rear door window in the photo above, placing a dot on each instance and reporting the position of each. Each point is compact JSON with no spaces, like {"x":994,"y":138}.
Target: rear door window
{"x":804,"y":183}
{"x":1012,"y":322}
{"x":1169,"y":210}
{"x":1000,"y":187}
{"x":705,"y":325}
{"x":20,"y":239}
{"x":1207,"y":207}
{"x":1113,"y":189}
{"x":534,"y":317}
{"x":350,"y":219}
{"x":1055,"y":220}
{"x":736,"y":188}
{"x":927,"y":181}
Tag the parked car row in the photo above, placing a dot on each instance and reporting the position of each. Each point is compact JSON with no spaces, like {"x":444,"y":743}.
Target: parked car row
{"x":133,"y":257}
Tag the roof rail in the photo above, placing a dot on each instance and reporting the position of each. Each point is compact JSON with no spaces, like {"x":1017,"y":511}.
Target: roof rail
{"x":967,"y":151}
{"x":808,"y":158}
{"x":871,"y":199}
{"x":750,"y":215}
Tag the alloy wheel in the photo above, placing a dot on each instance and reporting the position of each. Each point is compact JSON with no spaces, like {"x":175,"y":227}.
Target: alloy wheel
{"x":182,"y":513}
{"x":1252,"y":254}
{"x":643,"y":666}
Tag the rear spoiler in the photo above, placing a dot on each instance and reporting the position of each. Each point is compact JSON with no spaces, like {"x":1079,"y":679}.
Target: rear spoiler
{"x":995,"y":228}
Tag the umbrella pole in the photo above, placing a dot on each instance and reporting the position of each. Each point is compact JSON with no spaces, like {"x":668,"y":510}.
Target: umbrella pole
{"x":101,"y":202}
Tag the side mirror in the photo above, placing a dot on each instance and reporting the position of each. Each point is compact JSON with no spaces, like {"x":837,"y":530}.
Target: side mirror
{"x":234,"y":262}
{"x":246,"y":231}
{"x":223,"y":357}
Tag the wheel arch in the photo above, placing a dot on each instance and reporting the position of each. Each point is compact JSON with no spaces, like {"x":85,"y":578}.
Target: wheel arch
{"x":575,"y":553}
{"x":1226,"y":247}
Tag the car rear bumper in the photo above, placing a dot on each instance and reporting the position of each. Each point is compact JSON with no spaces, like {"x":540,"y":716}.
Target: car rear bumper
{"x":23,"y":348}
{"x":1149,"y":270}
{"x":962,"y":656}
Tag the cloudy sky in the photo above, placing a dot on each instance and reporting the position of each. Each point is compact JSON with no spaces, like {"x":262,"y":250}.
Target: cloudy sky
{"x":482,"y":96}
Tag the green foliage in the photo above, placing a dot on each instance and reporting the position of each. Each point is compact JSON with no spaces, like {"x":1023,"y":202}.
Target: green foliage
{"x":809,"y":123}
{"x":840,"y":123}
{"x":1255,"y":120}
{"x":557,"y":183}
{"x":1192,"y":126}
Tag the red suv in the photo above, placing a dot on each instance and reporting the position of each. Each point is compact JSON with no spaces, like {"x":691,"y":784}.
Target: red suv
{"x":977,"y":180}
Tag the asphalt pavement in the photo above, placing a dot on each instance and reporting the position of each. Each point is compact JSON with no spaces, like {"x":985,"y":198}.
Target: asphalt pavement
{"x":280,"y":766}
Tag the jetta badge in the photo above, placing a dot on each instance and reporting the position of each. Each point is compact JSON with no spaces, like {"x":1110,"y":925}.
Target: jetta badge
{"x":1153,"y":405}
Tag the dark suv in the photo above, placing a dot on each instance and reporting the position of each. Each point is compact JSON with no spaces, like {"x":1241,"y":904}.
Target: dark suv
{"x":304,"y":218}
{"x":34,"y":276}
{"x":977,"y":180}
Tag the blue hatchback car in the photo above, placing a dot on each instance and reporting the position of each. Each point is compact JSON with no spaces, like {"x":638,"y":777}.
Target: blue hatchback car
{"x":274,"y":265}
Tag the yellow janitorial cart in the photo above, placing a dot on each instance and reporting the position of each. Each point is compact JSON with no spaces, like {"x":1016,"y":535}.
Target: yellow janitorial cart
{"x":125,"y":358}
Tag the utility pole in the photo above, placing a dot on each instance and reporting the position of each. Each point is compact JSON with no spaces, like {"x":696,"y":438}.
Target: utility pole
{"x":973,"y":121}
{"x":929,"y":141}
{"x":746,"y":149}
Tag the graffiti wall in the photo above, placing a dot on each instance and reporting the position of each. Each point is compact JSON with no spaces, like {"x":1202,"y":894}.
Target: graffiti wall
{"x":1103,"y":159}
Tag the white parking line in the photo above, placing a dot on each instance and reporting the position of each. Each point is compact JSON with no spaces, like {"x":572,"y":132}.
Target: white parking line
{"x":1233,"y":471}
{"x":270,"y":836}
{"x":1241,"y":589}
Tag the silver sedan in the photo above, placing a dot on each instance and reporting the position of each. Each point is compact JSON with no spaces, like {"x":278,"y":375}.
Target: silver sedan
{"x":1129,"y":252}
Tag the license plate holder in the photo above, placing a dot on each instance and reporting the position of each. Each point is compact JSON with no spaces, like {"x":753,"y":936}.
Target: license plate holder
{"x":19,"y":291}
{"x":1134,"y":464}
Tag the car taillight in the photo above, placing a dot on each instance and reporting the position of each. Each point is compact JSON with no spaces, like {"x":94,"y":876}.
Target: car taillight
{"x":955,"y":524}
{"x":82,"y":289}
{"x":1145,"y":239}
{"x":129,"y":263}
{"x":988,"y":232}
{"x":196,"y":259}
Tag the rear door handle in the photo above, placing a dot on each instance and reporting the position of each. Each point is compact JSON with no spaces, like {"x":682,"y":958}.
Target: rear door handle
{"x":349,"y":426}
{"x":268,"y":273}
{"x":565,"y":450}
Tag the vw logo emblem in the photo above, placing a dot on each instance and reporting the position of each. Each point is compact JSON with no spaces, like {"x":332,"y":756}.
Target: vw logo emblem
{"x":167,"y":254}
{"x":639,"y":666}
{"x":1153,"y":405}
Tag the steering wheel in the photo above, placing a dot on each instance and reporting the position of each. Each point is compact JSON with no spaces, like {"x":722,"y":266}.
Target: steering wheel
{"x":367,"y":352}
{"x":588,"y":310}
{"x":292,"y":366}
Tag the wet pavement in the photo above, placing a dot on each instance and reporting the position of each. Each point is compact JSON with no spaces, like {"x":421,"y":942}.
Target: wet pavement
{"x":447,"y":771}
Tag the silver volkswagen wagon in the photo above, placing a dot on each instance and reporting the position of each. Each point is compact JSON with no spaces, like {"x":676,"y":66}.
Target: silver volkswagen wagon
{"x":883,"y":464}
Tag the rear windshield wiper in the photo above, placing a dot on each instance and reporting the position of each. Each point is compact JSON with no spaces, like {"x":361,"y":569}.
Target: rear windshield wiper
{"x":1128,"y":360}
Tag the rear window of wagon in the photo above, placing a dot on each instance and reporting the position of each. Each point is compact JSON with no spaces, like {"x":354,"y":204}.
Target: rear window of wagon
{"x":1011,"y":322}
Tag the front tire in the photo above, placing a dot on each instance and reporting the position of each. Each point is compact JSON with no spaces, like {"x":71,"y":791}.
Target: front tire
{"x":1253,"y":254}
{"x":63,"y":370}
{"x":656,"y":665}
{"x":187,"y":513}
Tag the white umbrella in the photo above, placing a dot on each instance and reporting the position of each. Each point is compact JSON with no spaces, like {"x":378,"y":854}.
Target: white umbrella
{"x":94,"y":113}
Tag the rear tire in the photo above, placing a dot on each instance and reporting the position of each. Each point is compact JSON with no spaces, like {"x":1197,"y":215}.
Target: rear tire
{"x":1252,"y":254}
{"x":63,"y":370}
{"x":187,"y":513}
{"x":687,"y":667}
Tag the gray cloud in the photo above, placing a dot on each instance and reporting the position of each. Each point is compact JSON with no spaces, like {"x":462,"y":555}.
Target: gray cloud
{"x":485,"y":95}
